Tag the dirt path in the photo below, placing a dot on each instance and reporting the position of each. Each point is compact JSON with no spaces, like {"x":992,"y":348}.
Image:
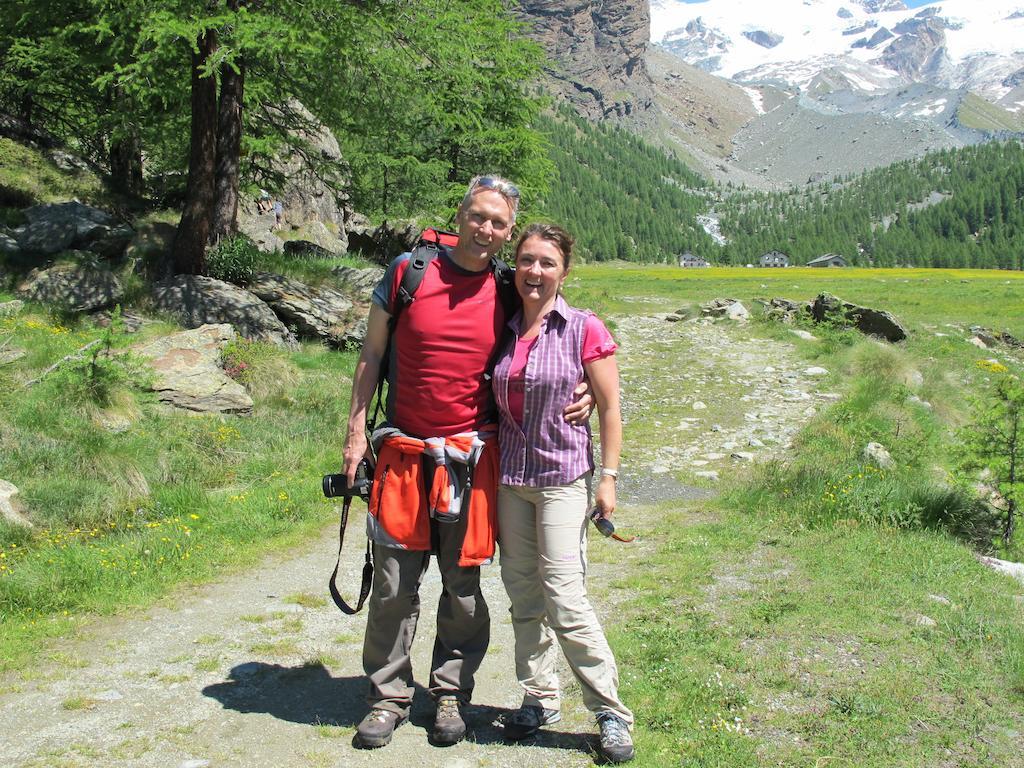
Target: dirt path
{"x":259,"y":670}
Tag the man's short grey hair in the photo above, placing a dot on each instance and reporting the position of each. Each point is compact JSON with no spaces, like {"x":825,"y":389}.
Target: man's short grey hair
{"x":503,"y":187}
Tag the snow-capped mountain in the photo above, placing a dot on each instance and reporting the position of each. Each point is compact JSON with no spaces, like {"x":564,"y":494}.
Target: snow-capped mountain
{"x":819,"y":46}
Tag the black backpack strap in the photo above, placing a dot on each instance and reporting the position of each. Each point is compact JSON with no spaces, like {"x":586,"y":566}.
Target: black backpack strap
{"x":421,"y":256}
{"x":505,"y":283}
{"x":364,"y":588}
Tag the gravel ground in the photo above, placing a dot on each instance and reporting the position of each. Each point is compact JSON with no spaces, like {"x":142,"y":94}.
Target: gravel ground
{"x":257,"y":670}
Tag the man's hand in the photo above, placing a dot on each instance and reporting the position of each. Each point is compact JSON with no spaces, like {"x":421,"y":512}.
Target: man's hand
{"x":579,"y":410}
{"x":356,"y":449}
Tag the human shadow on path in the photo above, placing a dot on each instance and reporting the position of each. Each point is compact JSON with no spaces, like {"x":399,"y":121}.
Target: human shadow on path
{"x":308,"y":694}
{"x":302,"y":694}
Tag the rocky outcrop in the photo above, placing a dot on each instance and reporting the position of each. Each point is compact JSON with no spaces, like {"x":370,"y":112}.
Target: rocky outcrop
{"x":358,"y":282}
{"x":55,"y":227}
{"x":597,"y":49}
{"x":311,"y":172}
{"x":919,"y":53}
{"x":318,"y":313}
{"x":196,"y":301}
{"x":188,"y":372}
{"x":875,"y":322}
{"x":77,"y":287}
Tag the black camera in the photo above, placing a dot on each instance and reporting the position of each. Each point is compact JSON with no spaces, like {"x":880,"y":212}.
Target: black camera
{"x":337,"y":485}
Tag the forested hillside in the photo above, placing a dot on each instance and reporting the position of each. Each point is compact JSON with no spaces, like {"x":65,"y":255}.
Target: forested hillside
{"x":954,"y":208}
{"x":622,"y":197}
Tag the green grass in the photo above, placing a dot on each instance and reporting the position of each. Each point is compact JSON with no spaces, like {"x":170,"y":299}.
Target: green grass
{"x":27,"y":176}
{"x":744,"y":643}
{"x":121,"y":517}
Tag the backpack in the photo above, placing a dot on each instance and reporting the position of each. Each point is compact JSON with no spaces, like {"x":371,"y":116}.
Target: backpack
{"x":430,"y":245}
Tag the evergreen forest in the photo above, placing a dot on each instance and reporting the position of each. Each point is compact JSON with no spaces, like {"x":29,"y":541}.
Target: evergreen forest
{"x":953,"y":208}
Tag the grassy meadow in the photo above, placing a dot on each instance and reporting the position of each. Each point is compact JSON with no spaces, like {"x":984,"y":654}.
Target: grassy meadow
{"x":820,"y":611}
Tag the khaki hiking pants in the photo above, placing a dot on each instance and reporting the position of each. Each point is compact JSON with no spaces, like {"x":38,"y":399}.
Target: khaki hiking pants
{"x":463,"y":623}
{"x":542,"y":533}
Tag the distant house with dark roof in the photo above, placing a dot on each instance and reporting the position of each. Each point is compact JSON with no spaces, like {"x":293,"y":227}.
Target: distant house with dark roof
{"x":690,"y":260}
{"x":828,"y":260}
{"x":774,"y":259}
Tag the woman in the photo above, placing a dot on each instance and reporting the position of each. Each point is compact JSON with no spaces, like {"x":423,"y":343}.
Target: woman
{"x":546,"y":468}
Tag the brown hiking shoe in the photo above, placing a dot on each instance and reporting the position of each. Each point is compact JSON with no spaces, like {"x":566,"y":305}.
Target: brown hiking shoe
{"x":449,"y":727}
{"x":376,"y":728}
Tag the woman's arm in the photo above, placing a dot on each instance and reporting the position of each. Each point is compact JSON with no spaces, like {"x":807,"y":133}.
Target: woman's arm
{"x":604,"y":380}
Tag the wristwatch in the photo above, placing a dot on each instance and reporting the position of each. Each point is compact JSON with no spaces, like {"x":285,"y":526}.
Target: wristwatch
{"x":614,"y":473}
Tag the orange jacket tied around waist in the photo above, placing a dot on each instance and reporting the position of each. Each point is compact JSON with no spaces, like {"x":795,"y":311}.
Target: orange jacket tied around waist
{"x":451,"y":479}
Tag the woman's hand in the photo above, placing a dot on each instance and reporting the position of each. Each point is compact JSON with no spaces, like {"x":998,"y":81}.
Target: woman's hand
{"x":605,"y":498}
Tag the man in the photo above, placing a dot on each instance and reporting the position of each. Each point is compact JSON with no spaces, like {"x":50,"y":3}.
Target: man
{"x":442,"y":347}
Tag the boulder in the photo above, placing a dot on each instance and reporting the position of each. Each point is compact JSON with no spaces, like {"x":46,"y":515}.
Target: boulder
{"x":10,"y":308}
{"x":307,"y":250}
{"x":111,"y":242}
{"x":8,"y":245}
{"x":385,"y":242}
{"x":877,"y":454}
{"x":10,"y":509}
{"x":78,"y":287}
{"x":730,"y":308}
{"x":150,"y":247}
{"x":195,"y":300}
{"x":46,"y":238}
{"x":55,"y":227}
{"x":1007,"y":567}
{"x":318,"y":313}
{"x":784,"y":310}
{"x":353,"y":337}
{"x":188,"y":372}
{"x":359,"y":282}
{"x":875,"y":322}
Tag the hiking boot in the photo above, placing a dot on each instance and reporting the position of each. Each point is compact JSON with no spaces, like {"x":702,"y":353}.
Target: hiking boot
{"x":449,"y":727}
{"x":376,"y":728}
{"x":527,"y":720}
{"x":616,"y":743}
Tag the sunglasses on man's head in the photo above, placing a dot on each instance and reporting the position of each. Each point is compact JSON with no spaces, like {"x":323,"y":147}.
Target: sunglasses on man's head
{"x":506,"y":188}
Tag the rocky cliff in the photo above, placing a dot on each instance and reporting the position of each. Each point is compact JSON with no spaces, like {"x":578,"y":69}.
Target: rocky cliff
{"x":597,"y":50}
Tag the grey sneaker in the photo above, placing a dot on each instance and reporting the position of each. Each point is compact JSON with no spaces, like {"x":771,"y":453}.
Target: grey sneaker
{"x":527,"y":720}
{"x":449,"y":727}
{"x":616,"y":743}
{"x":376,"y":728}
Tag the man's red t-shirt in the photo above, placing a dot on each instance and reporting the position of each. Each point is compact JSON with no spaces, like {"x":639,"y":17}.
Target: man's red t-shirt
{"x":442,"y":348}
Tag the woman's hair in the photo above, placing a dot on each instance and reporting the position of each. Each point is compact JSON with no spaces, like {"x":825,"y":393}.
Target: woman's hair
{"x":553,"y":233}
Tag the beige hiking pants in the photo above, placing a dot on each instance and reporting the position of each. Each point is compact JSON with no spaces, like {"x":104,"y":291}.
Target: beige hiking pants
{"x":542,"y":533}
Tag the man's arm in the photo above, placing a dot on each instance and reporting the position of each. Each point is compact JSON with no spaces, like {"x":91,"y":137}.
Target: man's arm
{"x":364,"y":383}
{"x":579,"y":410}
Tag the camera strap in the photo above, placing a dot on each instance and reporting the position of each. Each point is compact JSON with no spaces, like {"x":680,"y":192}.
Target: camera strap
{"x":364,"y":588}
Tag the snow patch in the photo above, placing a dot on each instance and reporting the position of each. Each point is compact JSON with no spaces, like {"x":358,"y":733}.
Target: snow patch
{"x":756,"y":98}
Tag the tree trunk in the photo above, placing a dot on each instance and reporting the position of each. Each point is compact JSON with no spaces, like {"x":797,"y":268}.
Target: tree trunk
{"x":189,"y":249}
{"x":229,"y":146}
{"x":126,"y":164}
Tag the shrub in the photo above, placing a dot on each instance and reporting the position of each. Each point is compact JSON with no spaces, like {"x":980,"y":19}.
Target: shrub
{"x":234,"y":260}
{"x":994,"y":440}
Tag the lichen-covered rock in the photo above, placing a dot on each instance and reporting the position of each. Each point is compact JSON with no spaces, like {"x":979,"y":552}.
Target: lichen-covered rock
{"x":195,"y":300}
{"x":77,"y":287}
{"x":875,"y":322}
{"x":317,"y":313}
{"x":188,"y":371}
